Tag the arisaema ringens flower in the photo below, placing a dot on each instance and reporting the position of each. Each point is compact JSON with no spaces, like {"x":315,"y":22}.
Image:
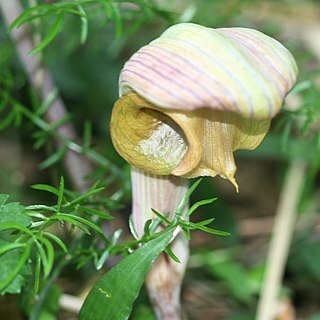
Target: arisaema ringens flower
{"x":188,"y":100}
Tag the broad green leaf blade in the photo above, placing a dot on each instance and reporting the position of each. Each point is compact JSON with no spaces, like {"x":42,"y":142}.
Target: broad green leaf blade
{"x":13,"y":212}
{"x":115,"y":293}
{"x":11,"y":263}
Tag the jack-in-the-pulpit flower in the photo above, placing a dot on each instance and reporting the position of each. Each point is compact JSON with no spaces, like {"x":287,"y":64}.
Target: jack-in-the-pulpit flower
{"x":188,"y":100}
{"x":194,"y":95}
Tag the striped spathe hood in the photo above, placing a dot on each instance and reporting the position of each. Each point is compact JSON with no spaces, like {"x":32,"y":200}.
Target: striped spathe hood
{"x":229,"y":69}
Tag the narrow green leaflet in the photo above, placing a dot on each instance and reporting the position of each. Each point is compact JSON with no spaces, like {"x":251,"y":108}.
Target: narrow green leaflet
{"x":199,"y":204}
{"x":115,"y":293}
{"x":84,"y":25}
{"x":187,"y":196}
{"x":50,"y":36}
{"x":54,"y":158}
{"x":60,"y":194}
{"x":99,"y":213}
{"x":45,"y":187}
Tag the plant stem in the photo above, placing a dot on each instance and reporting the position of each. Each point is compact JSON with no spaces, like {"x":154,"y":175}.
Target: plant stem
{"x":280,"y":242}
{"x":35,"y":313}
{"x":39,"y":77}
{"x":162,"y":193}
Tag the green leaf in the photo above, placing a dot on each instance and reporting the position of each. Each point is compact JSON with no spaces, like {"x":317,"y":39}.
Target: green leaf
{"x":60,"y":194}
{"x":99,"y":264}
{"x":13,"y":213}
{"x":132,"y":228}
{"x":49,"y":255}
{"x":46,"y":104}
{"x":198,"y":204}
{"x":205,"y":222}
{"x":8,"y":226}
{"x":28,"y":13}
{"x":170,"y":253}
{"x":117,"y":20}
{"x":100,"y":214}
{"x":50,"y":36}
{"x":187,"y":196}
{"x":84,"y":25}
{"x":160,"y":216}
{"x":84,"y":196}
{"x":7,"y":121}
{"x":146,"y":228}
{"x":209,"y":230}
{"x":115,"y":292}
{"x":40,"y":139}
{"x":85,"y":222}
{"x":57,"y":240}
{"x":44,"y":259}
{"x":10,"y":246}
{"x":3,"y":198}
{"x":54,"y":158}
{"x":37,"y":274}
{"x":45,"y":187}
{"x":65,"y":217}
{"x":41,"y":207}
{"x":87,"y":134}
{"x":11,"y":263}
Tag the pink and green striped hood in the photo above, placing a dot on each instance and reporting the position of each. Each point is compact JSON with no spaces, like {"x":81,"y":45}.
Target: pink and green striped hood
{"x":190,"y":67}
